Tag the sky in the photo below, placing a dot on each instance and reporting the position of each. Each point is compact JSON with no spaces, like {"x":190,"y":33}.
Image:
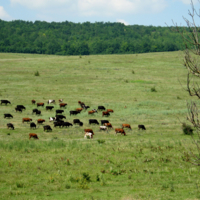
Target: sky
{"x":129,"y":12}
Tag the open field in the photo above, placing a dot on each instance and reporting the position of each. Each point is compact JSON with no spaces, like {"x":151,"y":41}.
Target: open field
{"x":149,"y":164}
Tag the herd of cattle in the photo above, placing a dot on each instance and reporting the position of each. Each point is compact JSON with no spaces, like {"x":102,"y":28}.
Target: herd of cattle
{"x":58,"y":119}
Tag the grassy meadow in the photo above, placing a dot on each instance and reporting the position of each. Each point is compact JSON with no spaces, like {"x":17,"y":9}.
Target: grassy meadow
{"x":140,"y":88}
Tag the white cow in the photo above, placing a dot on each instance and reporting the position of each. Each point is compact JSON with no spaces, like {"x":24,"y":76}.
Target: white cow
{"x":52,"y":119}
{"x":104,"y":128}
{"x":51,"y":101}
{"x":88,"y":135}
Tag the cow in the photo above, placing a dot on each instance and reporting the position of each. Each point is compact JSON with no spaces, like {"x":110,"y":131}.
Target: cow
{"x":88,"y":135}
{"x":86,"y":107}
{"x":21,"y":106}
{"x":58,"y":123}
{"x":104,"y":128}
{"x":60,"y":100}
{"x":92,"y":112}
{"x":141,"y":127}
{"x":33,"y":101}
{"x":51,"y":119}
{"x":47,"y":128}
{"x":79,"y":109}
{"x":49,"y":107}
{"x":18,"y":109}
{"x":58,"y":117}
{"x":104,"y":121}
{"x":10,"y":125}
{"x":89,"y":130}
{"x":66,"y":124}
{"x":126,"y":126}
{"x":76,"y":121}
{"x":105,"y":113}
{"x":40,"y":104}
{"x":8,"y":115}
{"x":80,"y":123}
{"x":5,"y":102}
{"x":51,"y":101}
{"x":40,"y":121}
{"x":33,"y":135}
{"x":101,"y":108}
{"x":26,"y":120}
{"x":34,"y":110}
{"x":93,"y":121}
{"x":59,"y":111}
{"x":74,"y":112}
{"x":108,"y":125}
{"x":32,"y":125}
{"x":80,"y":103}
{"x":110,"y":110}
{"x":120,"y":130}
{"x":62,"y":105}
{"x":38,"y":112}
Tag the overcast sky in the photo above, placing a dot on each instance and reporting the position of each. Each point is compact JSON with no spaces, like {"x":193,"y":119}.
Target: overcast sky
{"x":129,"y":12}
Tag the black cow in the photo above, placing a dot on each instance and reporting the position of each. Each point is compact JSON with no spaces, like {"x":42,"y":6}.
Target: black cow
{"x":76,"y":121}
{"x":74,"y":112}
{"x":18,"y":109}
{"x":10,"y":125}
{"x":35,"y":110}
{"x":66,"y":124}
{"x":21,"y":106}
{"x":49,"y":107}
{"x":93,"y":121}
{"x":104,"y":121}
{"x":58,"y":117}
{"x":47,"y":128}
{"x":32,"y":125}
{"x":5,"y":102}
{"x":8,"y":115}
{"x":80,"y":123}
{"x":85,"y":107}
{"x":38,"y":112}
{"x":141,"y":127}
{"x":101,"y":108}
{"x":58,"y":123}
{"x":59,"y":111}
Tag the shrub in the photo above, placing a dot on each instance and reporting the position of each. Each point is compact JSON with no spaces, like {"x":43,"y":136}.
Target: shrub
{"x":101,"y":141}
{"x":153,"y":89}
{"x":37,"y":73}
{"x":133,"y":72}
{"x":187,"y":129}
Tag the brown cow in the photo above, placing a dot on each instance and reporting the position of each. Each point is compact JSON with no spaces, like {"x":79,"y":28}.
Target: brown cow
{"x":40,"y":121}
{"x":63,"y":105}
{"x":120,"y":130}
{"x":60,"y":100}
{"x":106,"y":113}
{"x":108,"y":125}
{"x":79,"y":109}
{"x":126,"y":126}
{"x":40,"y":104}
{"x":92,"y":111}
{"x":110,"y":110}
{"x":89,"y":130}
{"x":33,"y":101}
{"x":26,"y":120}
{"x":33,"y":135}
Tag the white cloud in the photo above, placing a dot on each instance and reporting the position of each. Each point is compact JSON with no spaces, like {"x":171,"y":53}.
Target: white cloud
{"x":123,"y":22}
{"x":3,"y":14}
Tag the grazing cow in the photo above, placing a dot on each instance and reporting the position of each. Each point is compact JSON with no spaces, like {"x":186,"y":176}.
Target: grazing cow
{"x":74,"y":112}
{"x":93,"y":121}
{"x":18,"y":109}
{"x":58,"y":117}
{"x":104,"y":128}
{"x":59,"y":111}
{"x":89,"y":130}
{"x":7,"y":115}
{"x":26,"y":120}
{"x":60,"y":100}
{"x":110,"y":110}
{"x":92,"y":111}
{"x":32,"y":125}
{"x":38,"y":112}
{"x":34,"y":110}
{"x":33,"y":101}
{"x":40,"y":121}
{"x":33,"y":135}
{"x":126,"y":126}
{"x":105,"y":113}
{"x":62,"y":105}
{"x":21,"y":106}
{"x":76,"y":121}
{"x":58,"y":123}
{"x":79,"y":109}
{"x":10,"y":125}
{"x":101,"y":108}
{"x":66,"y":124}
{"x":109,"y":125}
{"x":5,"y":102}
{"x":40,"y":104}
{"x":51,"y":101}
{"x":141,"y":127}
{"x":104,"y":121}
{"x":49,"y":107}
{"x":88,"y":135}
{"x":120,"y":130}
{"x":80,"y":123}
{"x":86,"y":107}
{"x":47,"y":128}
{"x":51,"y":119}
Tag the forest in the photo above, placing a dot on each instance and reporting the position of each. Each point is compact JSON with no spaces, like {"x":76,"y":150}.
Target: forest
{"x":68,"y":38}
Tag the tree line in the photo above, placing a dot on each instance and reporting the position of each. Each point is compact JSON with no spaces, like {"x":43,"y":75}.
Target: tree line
{"x":68,"y":38}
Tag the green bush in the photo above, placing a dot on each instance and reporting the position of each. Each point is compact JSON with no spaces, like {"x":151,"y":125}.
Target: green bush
{"x":187,"y":129}
{"x":37,"y":73}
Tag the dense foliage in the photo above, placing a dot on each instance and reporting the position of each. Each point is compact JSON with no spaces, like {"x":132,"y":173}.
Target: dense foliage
{"x":68,"y":38}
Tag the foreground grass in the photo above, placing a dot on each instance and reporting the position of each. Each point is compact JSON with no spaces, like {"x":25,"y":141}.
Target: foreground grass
{"x":151,"y":164}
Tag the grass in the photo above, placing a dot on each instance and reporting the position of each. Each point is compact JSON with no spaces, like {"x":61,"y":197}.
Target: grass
{"x":151,"y":164}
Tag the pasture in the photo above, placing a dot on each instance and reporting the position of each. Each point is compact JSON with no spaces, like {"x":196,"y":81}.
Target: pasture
{"x":140,"y":88}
